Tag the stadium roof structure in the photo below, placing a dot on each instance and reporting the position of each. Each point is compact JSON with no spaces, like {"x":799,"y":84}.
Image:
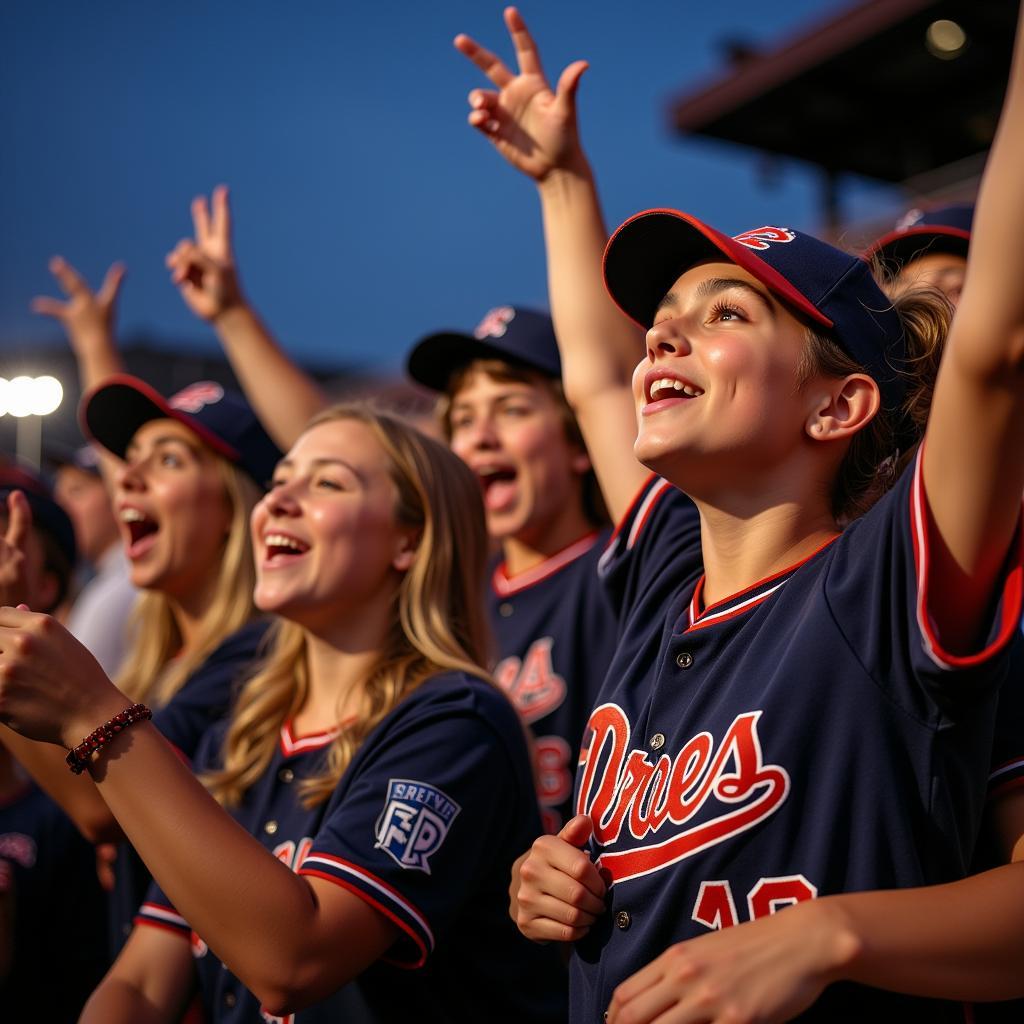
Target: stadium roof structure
{"x":887,"y":89}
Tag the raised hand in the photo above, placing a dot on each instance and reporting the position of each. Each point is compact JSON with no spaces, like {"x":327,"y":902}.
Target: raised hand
{"x":557,"y":892}
{"x":203,"y":267}
{"x":531,"y":126}
{"x":17,"y":584}
{"x":87,"y":316}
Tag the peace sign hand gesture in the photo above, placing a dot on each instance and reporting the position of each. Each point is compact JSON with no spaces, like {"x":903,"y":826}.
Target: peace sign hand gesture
{"x":531,"y":126}
{"x":87,"y":316}
{"x":16,"y":583}
{"x":203,"y":268}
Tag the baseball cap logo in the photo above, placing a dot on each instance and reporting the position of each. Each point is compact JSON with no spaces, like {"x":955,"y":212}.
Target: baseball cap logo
{"x":762,"y":238}
{"x":495,"y":323}
{"x":909,"y":219}
{"x":196,"y":396}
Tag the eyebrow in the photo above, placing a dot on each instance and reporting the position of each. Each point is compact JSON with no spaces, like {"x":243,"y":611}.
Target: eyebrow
{"x":713,"y":286}
{"x":327,"y":461}
{"x":162,"y":441}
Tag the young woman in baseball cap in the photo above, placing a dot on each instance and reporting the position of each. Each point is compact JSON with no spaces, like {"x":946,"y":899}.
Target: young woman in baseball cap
{"x":503,"y":412}
{"x":184,"y":472}
{"x":381,"y":781}
{"x":795,"y":709}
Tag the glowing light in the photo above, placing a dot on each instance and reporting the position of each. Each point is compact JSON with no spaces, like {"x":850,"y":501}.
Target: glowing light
{"x":30,"y":396}
{"x":945,"y":39}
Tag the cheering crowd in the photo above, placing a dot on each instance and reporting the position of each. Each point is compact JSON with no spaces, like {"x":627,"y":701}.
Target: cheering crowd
{"x":675,"y":679}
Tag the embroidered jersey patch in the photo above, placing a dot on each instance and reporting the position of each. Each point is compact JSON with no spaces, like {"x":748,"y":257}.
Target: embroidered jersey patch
{"x":761,"y":238}
{"x":495,"y":323}
{"x":195,"y":396}
{"x":414,"y":823}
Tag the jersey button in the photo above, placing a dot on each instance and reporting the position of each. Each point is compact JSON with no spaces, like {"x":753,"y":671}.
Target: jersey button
{"x":270,"y":827}
{"x":230,"y":999}
{"x":623,"y":920}
{"x":505,"y":609}
{"x":657,"y":741}
{"x":684,"y":660}
{"x":286,"y":775}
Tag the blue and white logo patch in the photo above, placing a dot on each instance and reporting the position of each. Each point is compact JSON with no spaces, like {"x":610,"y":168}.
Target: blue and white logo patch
{"x":414,"y":823}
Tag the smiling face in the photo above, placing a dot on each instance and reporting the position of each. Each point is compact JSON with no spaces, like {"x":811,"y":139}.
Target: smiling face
{"x":512,"y":435}
{"x":326,"y":538}
{"x":717,"y":395}
{"x":173,"y":510}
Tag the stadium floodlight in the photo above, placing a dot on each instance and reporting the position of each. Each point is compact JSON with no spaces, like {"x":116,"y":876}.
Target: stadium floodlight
{"x":29,"y":399}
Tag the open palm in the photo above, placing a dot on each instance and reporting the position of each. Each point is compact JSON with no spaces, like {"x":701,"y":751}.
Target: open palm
{"x":532,"y":126}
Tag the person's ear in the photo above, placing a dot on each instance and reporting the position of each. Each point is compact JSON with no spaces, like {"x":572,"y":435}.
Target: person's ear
{"x":406,"y":546}
{"x":844,"y":409}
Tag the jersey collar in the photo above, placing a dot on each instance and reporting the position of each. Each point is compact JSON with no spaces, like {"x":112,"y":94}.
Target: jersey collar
{"x":292,"y":744}
{"x":504,"y":584}
{"x":746,"y":599}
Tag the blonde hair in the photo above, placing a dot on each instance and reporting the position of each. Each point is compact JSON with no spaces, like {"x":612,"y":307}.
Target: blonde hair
{"x":439,"y":622}
{"x":872,"y":463}
{"x":152,"y":672}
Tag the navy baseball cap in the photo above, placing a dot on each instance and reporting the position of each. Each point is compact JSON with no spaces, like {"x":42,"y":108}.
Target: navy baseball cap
{"x":84,"y":457}
{"x":46,"y":513}
{"x":508,"y":333}
{"x":919,"y":232}
{"x":224,"y":420}
{"x":825,"y":285}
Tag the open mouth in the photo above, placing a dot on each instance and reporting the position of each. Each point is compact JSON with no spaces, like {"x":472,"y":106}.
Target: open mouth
{"x":671,"y":387}
{"x":498,"y":484}
{"x":280,"y":547}
{"x":142,"y":530}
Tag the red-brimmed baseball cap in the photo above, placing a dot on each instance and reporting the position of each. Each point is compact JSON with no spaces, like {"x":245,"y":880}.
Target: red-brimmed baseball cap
{"x":223,"y":420}
{"x":919,"y":233}
{"x":820,"y":283}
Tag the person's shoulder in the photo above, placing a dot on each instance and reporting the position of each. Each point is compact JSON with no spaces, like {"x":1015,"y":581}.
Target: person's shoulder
{"x":453,"y":694}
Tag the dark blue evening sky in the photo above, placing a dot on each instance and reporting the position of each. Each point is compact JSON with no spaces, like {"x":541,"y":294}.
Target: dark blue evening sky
{"x":367,"y":211}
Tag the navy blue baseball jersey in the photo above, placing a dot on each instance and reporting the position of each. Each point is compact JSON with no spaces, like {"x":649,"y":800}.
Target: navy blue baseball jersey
{"x":57,"y":912}
{"x":424,"y":826}
{"x":555,"y":629}
{"x":183,"y":721}
{"x":807,"y":736}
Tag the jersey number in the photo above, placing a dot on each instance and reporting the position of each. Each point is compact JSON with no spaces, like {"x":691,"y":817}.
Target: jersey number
{"x":716,"y":908}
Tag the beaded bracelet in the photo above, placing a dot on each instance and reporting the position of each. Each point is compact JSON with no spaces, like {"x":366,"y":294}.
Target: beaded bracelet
{"x":79,"y":758}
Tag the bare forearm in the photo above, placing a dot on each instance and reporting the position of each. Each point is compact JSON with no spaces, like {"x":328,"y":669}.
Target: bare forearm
{"x":97,"y":357}
{"x":116,"y":1001}
{"x":257,"y":914}
{"x":75,"y":794}
{"x":596,"y":339}
{"x":284,"y":396}
{"x":599,"y":346}
{"x":961,"y":941}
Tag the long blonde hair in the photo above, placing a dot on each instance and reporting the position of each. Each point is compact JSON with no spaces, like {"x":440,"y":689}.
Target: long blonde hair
{"x":153,"y":669}
{"x":439,"y":622}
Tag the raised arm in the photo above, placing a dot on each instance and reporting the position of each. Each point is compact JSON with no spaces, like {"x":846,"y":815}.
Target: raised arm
{"x":974,"y":456}
{"x":203,"y":268}
{"x":87,"y":318}
{"x":535,"y":129}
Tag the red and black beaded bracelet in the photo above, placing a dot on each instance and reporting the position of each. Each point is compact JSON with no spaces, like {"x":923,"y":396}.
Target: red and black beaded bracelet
{"x":80,"y":757}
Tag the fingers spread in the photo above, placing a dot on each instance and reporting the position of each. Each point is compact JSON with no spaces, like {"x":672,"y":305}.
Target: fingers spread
{"x":201,"y":219}
{"x":67,"y":277}
{"x":526,"y":48}
{"x":111,"y":284}
{"x":19,"y":520}
{"x":487,"y":62}
{"x":568,"y":83}
{"x":221,"y":213}
{"x":48,"y":307}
